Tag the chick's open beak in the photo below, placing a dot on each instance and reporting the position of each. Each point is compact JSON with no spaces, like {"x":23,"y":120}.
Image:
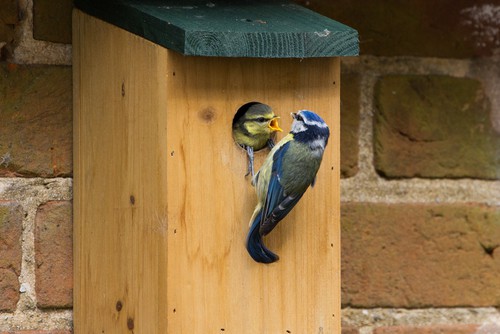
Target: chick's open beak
{"x":273,"y":124}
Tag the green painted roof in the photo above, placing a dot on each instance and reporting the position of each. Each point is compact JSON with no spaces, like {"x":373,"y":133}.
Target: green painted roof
{"x":267,"y":29}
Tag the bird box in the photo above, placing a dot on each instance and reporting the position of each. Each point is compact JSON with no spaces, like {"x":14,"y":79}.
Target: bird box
{"x":161,"y":201}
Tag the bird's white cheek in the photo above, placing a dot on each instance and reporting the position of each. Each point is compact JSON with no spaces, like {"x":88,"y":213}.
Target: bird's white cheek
{"x":298,"y":127}
{"x":318,"y":144}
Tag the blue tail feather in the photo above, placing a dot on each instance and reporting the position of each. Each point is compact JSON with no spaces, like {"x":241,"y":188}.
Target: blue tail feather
{"x":256,"y":247}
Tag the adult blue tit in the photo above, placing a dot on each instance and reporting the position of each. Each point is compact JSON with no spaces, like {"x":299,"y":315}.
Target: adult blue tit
{"x":289,"y":169}
{"x":254,"y":127}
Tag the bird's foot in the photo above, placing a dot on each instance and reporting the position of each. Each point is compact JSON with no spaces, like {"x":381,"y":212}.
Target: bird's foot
{"x":250,"y":161}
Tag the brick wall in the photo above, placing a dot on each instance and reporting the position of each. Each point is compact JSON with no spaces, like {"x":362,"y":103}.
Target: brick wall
{"x":35,"y":167}
{"x":420,"y":166}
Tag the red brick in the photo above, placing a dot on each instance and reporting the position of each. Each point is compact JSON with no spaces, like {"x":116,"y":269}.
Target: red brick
{"x":349,"y":330}
{"x":36,"y":120}
{"x":420,"y":255}
{"x":9,"y":17}
{"x":434,"y":126}
{"x":53,"y":255}
{"x":445,"y":28}
{"x":349,"y":123}
{"x":433,"y":329}
{"x":11,"y":226}
{"x":52,"y":20}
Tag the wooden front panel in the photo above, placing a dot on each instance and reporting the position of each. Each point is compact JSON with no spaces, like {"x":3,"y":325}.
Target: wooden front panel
{"x":156,"y":125}
{"x":213,"y":284}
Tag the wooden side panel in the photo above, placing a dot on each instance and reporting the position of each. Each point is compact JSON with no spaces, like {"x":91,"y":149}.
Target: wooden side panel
{"x":161,"y":202}
{"x":213,"y":284}
{"x":120,"y":200}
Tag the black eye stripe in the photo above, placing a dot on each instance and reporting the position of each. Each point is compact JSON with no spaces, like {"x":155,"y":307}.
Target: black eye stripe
{"x":258,"y":120}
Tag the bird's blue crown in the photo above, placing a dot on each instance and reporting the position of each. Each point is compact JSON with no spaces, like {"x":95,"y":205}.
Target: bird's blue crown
{"x":308,"y":126}
{"x":312,"y":117}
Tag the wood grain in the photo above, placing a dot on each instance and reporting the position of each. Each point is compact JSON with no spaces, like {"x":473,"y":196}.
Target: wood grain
{"x":210,"y":211}
{"x":156,"y":125}
{"x":268,"y":29}
{"x":120,"y":193}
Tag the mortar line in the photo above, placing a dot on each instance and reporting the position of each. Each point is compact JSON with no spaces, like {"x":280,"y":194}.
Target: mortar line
{"x":30,"y":193}
{"x":37,"y":320}
{"x":366,"y":319}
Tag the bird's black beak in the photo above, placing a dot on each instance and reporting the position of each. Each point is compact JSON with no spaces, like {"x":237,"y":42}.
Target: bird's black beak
{"x":294,"y":115}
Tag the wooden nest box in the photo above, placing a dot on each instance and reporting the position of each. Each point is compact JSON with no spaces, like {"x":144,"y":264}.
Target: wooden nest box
{"x":161,"y":201}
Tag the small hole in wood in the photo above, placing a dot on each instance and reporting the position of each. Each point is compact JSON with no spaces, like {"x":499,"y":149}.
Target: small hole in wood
{"x":173,"y":73}
{"x":207,"y":115}
{"x":288,"y":331}
{"x":123,"y":89}
{"x":119,"y":306}
{"x":130,"y":323}
{"x":132,"y":199}
{"x":222,"y":329}
{"x":174,"y":310}
{"x":175,"y":231}
{"x":172,"y":153}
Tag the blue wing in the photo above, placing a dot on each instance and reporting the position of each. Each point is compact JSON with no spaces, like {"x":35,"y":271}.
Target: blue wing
{"x":278,"y":203}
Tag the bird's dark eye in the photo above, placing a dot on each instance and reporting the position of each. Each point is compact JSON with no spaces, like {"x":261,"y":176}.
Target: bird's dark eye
{"x":299,"y":118}
{"x":261,"y":119}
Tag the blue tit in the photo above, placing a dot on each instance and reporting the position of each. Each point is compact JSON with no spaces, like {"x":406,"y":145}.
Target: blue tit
{"x":289,"y":169}
{"x":254,"y":127}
